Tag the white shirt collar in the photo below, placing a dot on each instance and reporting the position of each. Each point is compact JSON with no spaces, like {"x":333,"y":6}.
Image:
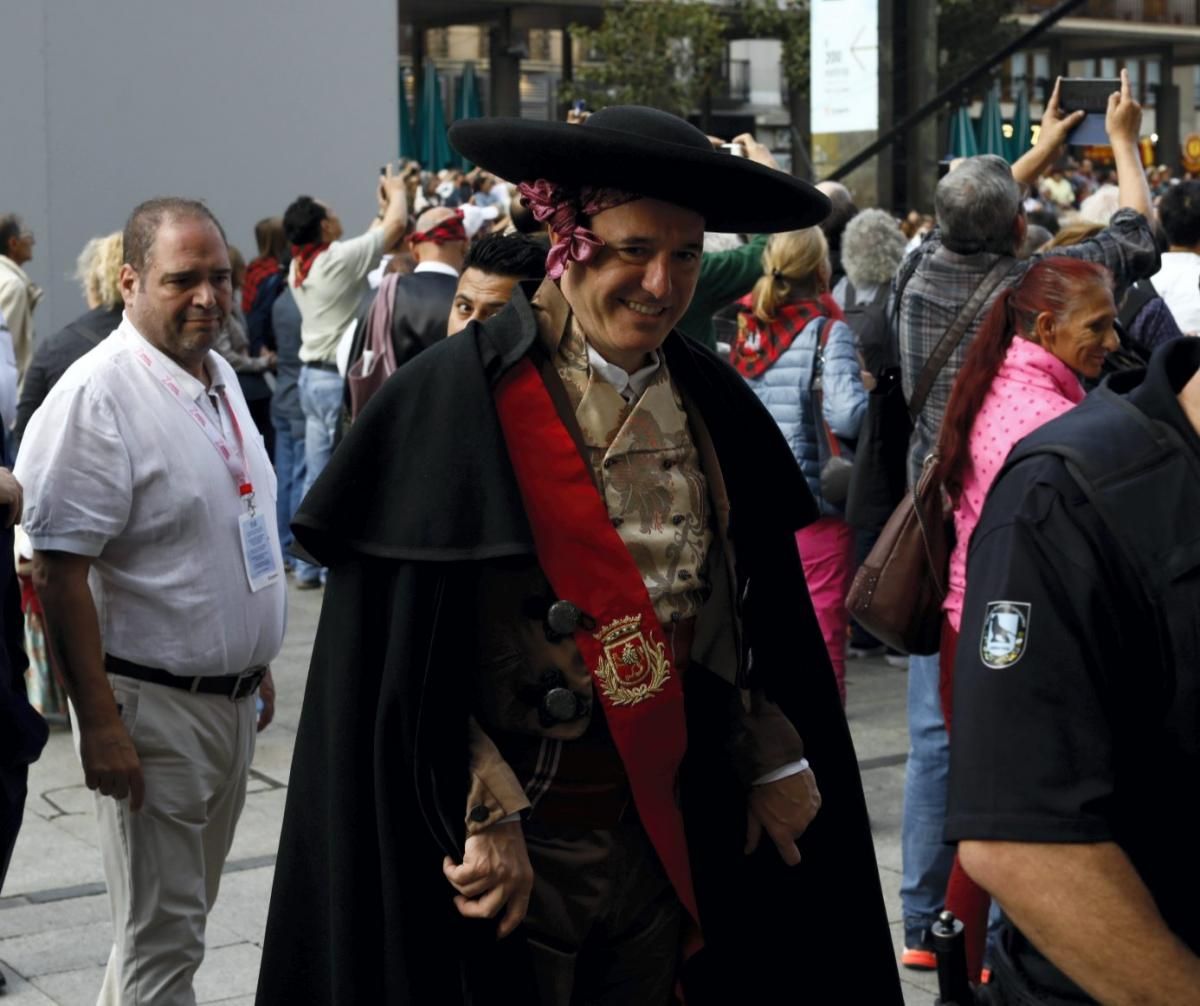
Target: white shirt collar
{"x":192,"y":386}
{"x":445,"y":270}
{"x":631,"y":387}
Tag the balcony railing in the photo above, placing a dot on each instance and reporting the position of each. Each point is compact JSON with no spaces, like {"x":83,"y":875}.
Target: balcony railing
{"x":733,"y":86}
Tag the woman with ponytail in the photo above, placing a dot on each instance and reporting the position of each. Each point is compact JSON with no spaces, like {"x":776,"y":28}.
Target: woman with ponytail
{"x":790,"y":328}
{"x":1022,"y":370}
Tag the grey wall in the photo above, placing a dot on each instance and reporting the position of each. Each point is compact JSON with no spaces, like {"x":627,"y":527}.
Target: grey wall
{"x":242,"y":103}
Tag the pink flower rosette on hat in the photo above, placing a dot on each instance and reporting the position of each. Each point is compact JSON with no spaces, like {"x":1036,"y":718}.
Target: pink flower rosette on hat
{"x":562,"y":209}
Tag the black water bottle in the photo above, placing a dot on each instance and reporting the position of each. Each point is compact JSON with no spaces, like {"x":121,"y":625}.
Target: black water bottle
{"x":953,"y":987}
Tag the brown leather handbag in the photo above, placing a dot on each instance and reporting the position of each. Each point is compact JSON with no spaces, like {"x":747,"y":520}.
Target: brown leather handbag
{"x":898,"y":591}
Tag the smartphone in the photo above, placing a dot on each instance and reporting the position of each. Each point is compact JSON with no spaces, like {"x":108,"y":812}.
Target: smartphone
{"x":1090,"y":95}
{"x":734,"y":148}
{"x":580,"y":105}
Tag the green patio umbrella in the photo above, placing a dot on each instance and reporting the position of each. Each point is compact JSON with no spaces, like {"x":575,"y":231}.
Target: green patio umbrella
{"x":408,"y":139}
{"x":1020,"y":138}
{"x":991,"y":125}
{"x":431,"y":123}
{"x":468,"y":105}
{"x":962,"y":134}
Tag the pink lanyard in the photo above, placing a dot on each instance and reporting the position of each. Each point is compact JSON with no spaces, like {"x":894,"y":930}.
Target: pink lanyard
{"x":235,"y":461}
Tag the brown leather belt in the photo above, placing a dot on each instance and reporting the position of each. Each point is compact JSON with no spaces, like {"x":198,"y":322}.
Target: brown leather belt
{"x":235,"y":686}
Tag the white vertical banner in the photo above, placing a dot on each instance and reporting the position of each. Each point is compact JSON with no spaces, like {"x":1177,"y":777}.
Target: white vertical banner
{"x":844,"y":65}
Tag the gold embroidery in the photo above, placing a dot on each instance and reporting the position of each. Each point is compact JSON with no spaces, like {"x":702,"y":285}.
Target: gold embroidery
{"x":631,"y":669}
{"x":654,"y":488}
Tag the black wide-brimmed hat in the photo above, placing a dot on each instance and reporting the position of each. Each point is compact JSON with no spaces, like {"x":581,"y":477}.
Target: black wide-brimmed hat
{"x":650,"y":153}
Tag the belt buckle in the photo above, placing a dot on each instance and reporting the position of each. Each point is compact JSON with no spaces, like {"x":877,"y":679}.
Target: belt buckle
{"x":253,"y":676}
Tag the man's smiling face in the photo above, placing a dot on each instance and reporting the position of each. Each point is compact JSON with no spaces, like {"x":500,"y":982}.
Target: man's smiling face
{"x":634,"y":289}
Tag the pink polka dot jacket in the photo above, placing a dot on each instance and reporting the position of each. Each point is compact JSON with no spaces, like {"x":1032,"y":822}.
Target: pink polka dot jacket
{"x":1032,"y":387}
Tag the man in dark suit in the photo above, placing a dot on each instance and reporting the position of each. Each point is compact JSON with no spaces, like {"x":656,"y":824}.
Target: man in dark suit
{"x":423,"y":298}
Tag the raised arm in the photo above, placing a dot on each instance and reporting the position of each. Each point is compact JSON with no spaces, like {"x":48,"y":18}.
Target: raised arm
{"x":1051,"y":137}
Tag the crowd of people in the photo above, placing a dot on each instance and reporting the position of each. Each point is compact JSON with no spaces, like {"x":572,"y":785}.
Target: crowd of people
{"x":580,"y":425}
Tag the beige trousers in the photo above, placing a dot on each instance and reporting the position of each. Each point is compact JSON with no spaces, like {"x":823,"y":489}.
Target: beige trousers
{"x":163,"y":863}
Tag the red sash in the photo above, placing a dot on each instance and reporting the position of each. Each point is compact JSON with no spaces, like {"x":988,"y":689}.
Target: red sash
{"x":587,"y":563}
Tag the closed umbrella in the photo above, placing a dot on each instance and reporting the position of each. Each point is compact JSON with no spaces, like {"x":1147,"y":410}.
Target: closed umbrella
{"x":1020,"y":141}
{"x":962,"y":134}
{"x":468,"y":105}
{"x":991,"y":125}
{"x":431,"y":123}
{"x":408,"y":139}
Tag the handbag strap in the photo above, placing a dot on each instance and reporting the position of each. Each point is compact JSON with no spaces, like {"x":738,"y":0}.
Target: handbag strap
{"x":925,"y":485}
{"x":818,"y":384}
{"x":954,"y":334}
{"x":391,"y":291}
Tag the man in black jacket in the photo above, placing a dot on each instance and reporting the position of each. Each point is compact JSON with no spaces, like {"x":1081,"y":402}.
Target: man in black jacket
{"x":554,"y":542}
{"x":1076,"y":695}
{"x":423,"y":298}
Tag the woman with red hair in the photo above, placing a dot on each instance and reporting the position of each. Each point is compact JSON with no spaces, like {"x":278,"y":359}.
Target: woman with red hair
{"x":1021,"y":371}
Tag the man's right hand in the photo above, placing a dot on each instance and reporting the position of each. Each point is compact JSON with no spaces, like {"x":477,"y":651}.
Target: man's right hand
{"x":392,"y":187}
{"x":110,"y":762}
{"x":10,"y":498}
{"x":1055,"y":125}
{"x":755,"y":151}
{"x":495,"y":872}
{"x":1123,"y":119}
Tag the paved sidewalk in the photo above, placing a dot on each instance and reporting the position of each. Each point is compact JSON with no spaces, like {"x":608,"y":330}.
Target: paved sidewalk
{"x":54,"y":925}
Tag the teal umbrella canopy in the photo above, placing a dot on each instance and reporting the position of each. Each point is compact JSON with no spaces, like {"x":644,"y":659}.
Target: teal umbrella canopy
{"x":1020,"y":141}
{"x":468,"y":105}
{"x":408,"y":139}
{"x":435,"y":148}
{"x":962,"y":134}
{"x":991,"y":125}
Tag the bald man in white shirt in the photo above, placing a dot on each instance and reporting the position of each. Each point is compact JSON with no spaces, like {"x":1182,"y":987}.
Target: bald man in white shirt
{"x":150,"y":505}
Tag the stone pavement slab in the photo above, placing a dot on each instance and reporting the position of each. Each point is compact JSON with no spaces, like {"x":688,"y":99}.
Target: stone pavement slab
{"x":54,"y":925}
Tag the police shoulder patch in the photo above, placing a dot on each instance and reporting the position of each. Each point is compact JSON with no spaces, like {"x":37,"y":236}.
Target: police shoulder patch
{"x":1005,"y":632}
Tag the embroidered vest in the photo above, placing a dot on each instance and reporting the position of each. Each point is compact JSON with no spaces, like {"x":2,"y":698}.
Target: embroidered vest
{"x":647,"y":464}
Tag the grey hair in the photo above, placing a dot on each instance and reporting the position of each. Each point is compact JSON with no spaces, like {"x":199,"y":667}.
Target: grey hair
{"x":976,"y":205}
{"x":1099,"y":207}
{"x":872,"y":247}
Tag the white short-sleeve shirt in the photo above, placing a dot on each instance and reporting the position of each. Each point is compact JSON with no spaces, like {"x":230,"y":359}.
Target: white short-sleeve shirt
{"x":332,"y":293}
{"x":114,"y":468}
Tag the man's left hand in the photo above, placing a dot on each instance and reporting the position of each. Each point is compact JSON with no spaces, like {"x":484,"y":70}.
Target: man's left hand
{"x":784,"y":808}
{"x":266,"y":692}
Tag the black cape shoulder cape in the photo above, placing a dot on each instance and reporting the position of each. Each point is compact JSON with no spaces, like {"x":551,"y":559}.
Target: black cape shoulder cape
{"x":418,"y":494}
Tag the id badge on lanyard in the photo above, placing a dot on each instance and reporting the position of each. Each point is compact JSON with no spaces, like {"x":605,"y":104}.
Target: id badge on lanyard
{"x":258,"y":551}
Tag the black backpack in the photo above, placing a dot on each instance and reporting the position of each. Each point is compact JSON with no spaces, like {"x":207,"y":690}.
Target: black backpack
{"x":872,"y":329}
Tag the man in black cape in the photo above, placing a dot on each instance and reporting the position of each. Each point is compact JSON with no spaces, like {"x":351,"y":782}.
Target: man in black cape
{"x":566,"y":652}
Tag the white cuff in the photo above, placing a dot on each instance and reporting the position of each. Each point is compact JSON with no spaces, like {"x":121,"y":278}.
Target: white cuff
{"x":791,"y":768}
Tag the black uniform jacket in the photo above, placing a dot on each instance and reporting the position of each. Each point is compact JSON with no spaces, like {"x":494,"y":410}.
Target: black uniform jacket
{"x":420,"y":312}
{"x":414,"y":500}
